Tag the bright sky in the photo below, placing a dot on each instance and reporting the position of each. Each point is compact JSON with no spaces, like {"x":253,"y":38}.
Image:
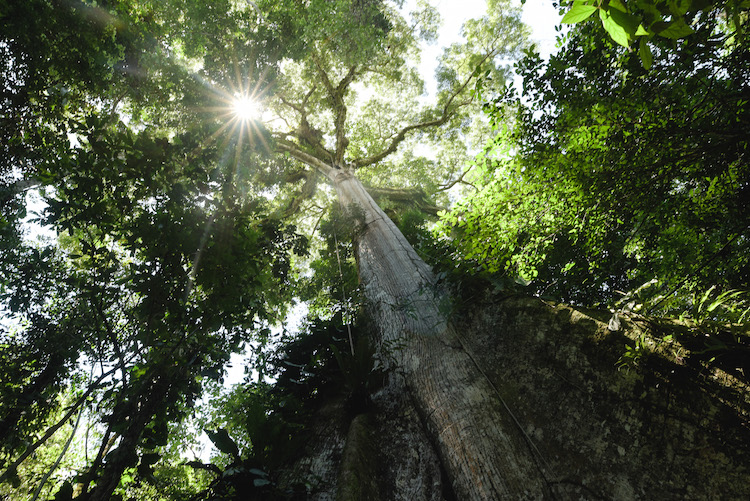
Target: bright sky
{"x":542,"y":17}
{"x":539,"y":15}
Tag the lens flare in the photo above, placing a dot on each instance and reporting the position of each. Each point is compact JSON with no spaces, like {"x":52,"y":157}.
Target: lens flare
{"x":245,"y":108}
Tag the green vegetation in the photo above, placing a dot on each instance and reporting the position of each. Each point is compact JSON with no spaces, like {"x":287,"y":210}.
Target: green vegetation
{"x":183,"y":235}
{"x":606,"y":176}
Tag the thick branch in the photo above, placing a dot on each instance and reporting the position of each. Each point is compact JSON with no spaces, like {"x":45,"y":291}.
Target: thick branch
{"x":305,"y":134}
{"x":304,"y":157}
{"x":336,"y":96}
{"x":300,"y":108}
{"x":363,"y":162}
{"x":304,"y":193}
{"x":401,"y":135}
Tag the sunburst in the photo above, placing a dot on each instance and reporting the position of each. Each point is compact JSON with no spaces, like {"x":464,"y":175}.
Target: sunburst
{"x":246,"y":108}
{"x":239,"y":106}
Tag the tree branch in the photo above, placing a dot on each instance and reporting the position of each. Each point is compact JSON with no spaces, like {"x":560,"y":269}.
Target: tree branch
{"x":300,"y":108}
{"x":460,"y":179}
{"x":304,"y":157}
{"x":17,"y":187}
{"x":51,"y":431}
{"x":401,"y":135}
{"x":112,"y":337}
{"x":60,"y":457}
{"x":307,"y":191}
{"x":336,"y":96}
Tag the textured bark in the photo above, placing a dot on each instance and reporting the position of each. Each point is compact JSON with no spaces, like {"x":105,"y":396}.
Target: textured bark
{"x":526,"y":402}
{"x":668,"y":429}
{"x":482,"y":449}
{"x":317,"y":467}
{"x":358,"y":478}
{"x":387,"y":447}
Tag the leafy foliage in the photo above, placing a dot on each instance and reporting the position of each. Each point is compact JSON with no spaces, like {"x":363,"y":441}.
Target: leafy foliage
{"x":613,"y":175}
{"x":141,"y":285}
{"x":264,"y":426}
{"x":642,"y":20}
{"x":333,"y":286}
{"x":174,"y":246}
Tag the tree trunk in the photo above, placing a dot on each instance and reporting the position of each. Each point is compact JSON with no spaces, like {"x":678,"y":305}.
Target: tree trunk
{"x":483,"y":451}
{"x":150,"y":402}
{"x":529,"y":404}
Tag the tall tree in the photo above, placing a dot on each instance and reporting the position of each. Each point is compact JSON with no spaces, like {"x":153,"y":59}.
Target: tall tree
{"x":175,"y":246}
{"x":367,"y":45}
{"x":119,"y":193}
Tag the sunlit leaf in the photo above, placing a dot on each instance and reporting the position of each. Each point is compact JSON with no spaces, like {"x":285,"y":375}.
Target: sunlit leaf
{"x":644,"y":52}
{"x":579,"y":12}
{"x":675,"y":29}
{"x":615,"y":30}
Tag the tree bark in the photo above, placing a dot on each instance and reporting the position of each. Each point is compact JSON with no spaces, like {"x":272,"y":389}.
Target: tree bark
{"x":484,"y":452}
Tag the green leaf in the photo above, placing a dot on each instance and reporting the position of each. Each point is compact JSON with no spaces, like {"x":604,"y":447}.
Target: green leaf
{"x":679,"y":7}
{"x":151,"y":458}
{"x":615,"y":31}
{"x":628,"y":22}
{"x":644,"y":52}
{"x":650,"y":13}
{"x":723,"y":298}
{"x":223,"y":442}
{"x":675,"y":29}
{"x":618,"y":5}
{"x":578,"y":13}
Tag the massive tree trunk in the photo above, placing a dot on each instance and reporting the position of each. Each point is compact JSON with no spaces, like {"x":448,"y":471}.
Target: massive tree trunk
{"x":483,"y":450}
{"x":525,"y":402}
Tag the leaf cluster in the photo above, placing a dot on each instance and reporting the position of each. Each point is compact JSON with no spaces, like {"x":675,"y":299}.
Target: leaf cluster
{"x":612,"y":175}
{"x":642,"y":20}
{"x":164,"y":267}
{"x":264,"y":426}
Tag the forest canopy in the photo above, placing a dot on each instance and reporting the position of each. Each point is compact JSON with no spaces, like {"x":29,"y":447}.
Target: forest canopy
{"x":613,"y":177}
{"x":185,"y":232}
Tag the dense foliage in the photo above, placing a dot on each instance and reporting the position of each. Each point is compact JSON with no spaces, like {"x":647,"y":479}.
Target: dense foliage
{"x":613,"y":176}
{"x":165,"y":262}
{"x":178,"y":228}
{"x":175,"y":222}
{"x":644,"y":20}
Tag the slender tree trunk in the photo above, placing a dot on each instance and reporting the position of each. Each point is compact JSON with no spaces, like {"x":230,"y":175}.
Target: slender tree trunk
{"x":482,"y":449}
{"x":151,"y":401}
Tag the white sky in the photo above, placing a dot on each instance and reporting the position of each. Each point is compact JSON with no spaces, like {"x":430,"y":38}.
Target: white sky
{"x":539,"y":15}
{"x":542,"y":17}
